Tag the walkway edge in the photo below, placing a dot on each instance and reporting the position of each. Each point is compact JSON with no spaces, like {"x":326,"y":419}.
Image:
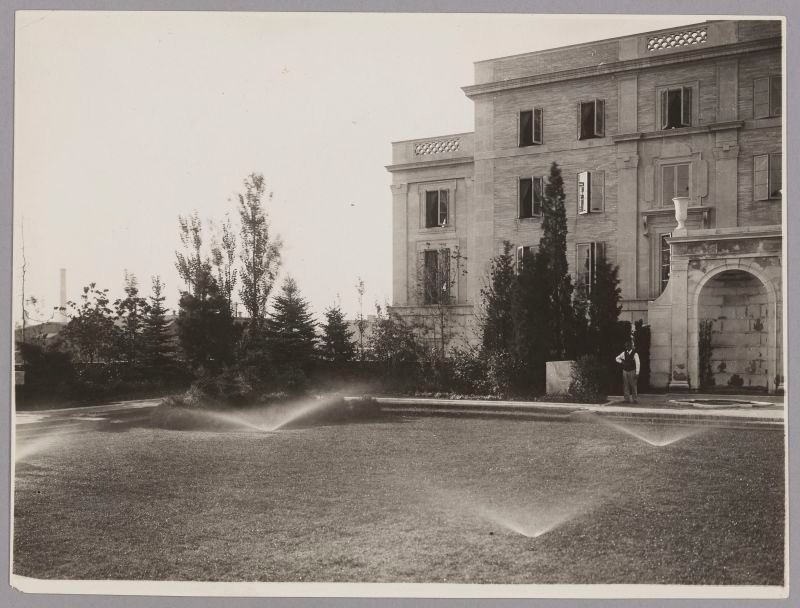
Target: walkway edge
{"x":550,"y":410}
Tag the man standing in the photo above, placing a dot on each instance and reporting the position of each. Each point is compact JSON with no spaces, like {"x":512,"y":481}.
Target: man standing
{"x":629,"y":359}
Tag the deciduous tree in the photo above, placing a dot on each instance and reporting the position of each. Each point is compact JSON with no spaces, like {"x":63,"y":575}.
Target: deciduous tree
{"x":260,"y":254}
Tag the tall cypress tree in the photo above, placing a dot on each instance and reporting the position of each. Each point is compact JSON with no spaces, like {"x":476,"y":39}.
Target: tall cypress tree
{"x":559,"y":284}
{"x":290,"y":329}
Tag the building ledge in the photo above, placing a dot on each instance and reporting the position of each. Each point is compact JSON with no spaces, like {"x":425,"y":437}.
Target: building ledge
{"x":703,"y":211}
{"x":713,"y":127}
{"x":441,"y":162}
{"x":722,"y":234}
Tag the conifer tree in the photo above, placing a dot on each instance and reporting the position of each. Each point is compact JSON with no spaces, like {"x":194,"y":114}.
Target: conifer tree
{"x":559,"y":284}
{"x":205,"y":326}
{"x":290,"y":329}
{"x":496,"y":322}
{"x":131,"y":311}
{"x":155,"y":334}
{"x":603,"y":308}
{"x":530,"y":306}
{"x":337,"y":340}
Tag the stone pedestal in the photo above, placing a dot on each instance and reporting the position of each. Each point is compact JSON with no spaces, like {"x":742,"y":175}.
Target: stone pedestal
{"x":558,"y":377}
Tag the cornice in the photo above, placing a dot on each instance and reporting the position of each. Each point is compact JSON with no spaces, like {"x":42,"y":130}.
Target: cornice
{"x":640,"y":63}
{"x":710,"y":128}
{"x":442,"y":162}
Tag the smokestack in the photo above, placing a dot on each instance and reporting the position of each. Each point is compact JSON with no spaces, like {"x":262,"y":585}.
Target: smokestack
{"x":62,"y":299}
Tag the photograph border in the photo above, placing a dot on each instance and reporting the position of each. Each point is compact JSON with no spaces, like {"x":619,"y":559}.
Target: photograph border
{"x":291,"y":594}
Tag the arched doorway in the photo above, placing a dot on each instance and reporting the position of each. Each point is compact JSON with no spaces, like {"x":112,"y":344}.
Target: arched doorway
{"x":736,"y":320}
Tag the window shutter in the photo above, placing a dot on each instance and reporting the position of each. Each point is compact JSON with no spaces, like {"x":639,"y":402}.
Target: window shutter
{"x":444,"y":276}
{"x":519,"y":258}
{"x":775,"y":184}
{"x":537,"y":125}
{"x":686,"y":107}
{"x":444,"y":207}
{"x":580,"y":132}
{"x":599,"y":117}
{"x":431,"y":208}
{"x":761,"y":98}
{"x":761,"y":177}
{"x":682,"y":180}
{"x":667,"y":185}
{"x":536,"y":204}
{"x":775,"y":95}
{"x":584,"y":192}
{"x":597,"y":190}
{"x":664,"y":108}
{"x":599,"y":250}
{"x":649,"y":183}
{"x":519,"y":129}
{"x":583,"y":266}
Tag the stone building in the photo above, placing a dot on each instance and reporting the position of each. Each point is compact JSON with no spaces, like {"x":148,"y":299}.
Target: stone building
{"x":634,"y":122}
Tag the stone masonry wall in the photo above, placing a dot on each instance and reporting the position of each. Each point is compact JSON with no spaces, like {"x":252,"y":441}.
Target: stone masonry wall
{"x":736,"y":305}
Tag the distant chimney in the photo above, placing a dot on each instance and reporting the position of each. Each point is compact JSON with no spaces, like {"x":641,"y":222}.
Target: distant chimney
{"x":62,"y":299}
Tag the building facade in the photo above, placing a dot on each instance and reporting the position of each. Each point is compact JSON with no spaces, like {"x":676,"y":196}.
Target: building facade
{"x":634,"y":122}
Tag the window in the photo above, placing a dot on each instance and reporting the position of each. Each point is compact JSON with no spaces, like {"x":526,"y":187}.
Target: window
{"x":530,"y":196}
{"x":664,"y":262}
{"x":523,"y":252}
{"x":530,"y":127}
{"x":676,"y":108}
{"x":437,"y":276}
{"x":766,"y":176}
{"x":591,"y":115}
{"x":587,"y":256}
{"x":590,"y":192}
{"x":674,"y":182}
{"x":767,"y":97}
{"x":437,"y":208}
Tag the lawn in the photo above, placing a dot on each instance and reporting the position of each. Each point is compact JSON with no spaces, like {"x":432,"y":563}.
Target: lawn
{"x":414,"y":500}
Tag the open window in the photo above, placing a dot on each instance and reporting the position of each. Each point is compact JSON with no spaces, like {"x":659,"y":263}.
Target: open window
{"x":767,"y":96}
{"x":523,"y":252}
{"x":675,"y":182}
{"x":436,"y":266}
{"x":590,"y":192}
{"x":676,"y":108}
{"x":591,"y":119}
{"x":767,"y":176}
{"x":530,"y":127}
{"x":586,"y":266}
{"x":437,"y":208}
{"x":530,"y":196}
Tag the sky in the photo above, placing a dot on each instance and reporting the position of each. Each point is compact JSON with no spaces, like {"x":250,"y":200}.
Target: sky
{"x":125,"y":120}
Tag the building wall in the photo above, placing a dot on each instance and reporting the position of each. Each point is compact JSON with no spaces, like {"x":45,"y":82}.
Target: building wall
{"x":719,"y":145}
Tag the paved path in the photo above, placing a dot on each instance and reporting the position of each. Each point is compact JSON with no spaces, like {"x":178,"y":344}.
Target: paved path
{"x":653,"y":408}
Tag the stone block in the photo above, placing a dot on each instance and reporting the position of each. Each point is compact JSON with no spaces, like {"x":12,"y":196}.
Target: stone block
{"x":558,"y":377}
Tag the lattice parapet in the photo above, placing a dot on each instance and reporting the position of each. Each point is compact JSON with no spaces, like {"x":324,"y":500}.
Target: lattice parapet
{"x":677,"y":39}
{"x":437,"y":146}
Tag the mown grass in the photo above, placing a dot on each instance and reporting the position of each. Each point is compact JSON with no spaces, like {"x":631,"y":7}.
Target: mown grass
{"x":407,"y":501}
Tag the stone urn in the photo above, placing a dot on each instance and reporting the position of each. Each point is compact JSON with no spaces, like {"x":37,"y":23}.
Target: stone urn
{"x":681,"y":211}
